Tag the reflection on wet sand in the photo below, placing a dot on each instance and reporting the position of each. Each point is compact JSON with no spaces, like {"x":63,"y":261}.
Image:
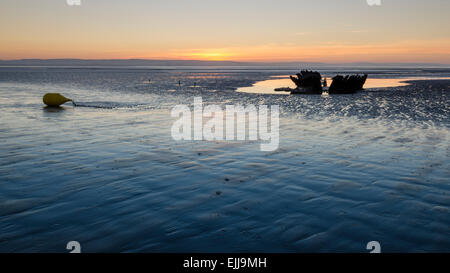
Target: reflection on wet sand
{"x":350,"y":169}
{"x":51,"y":109}
{"x":268,"y":86}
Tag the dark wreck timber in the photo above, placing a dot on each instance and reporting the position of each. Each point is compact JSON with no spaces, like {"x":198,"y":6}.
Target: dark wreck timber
{"x":307,"y":82}
{"x":311,"y":82}
{"x":348,"y":84}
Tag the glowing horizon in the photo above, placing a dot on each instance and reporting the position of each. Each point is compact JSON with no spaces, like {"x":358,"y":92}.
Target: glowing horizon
{"x":252,"y":30}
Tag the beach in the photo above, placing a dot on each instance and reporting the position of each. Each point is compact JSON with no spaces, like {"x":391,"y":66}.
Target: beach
{"x":350,"y":169}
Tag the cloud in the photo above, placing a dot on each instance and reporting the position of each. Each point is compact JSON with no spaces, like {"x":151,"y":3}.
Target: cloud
{"x":403,"y":51}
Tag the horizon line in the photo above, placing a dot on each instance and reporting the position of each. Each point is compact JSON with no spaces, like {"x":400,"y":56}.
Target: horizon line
{"x":224,"y":61}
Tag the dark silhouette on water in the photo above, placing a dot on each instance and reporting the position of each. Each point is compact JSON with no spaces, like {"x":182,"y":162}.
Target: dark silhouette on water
{"x":307,"y":82}
{"x":348,"y":84}
{"x":310,"y":82}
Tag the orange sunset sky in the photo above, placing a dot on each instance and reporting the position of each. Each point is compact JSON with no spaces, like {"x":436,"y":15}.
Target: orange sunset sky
{"x":239,"y":30}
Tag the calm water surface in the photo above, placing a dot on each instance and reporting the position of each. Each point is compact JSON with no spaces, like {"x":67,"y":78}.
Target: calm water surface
{"x":350,"y":169}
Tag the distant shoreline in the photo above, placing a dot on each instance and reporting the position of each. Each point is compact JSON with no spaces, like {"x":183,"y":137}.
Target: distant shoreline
{"x":144,"y":63}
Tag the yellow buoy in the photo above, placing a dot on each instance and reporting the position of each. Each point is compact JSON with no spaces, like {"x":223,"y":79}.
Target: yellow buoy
{"x":54,"y":99}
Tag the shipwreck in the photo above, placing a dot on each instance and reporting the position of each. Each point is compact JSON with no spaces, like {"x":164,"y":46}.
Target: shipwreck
{"x":311,"y":82}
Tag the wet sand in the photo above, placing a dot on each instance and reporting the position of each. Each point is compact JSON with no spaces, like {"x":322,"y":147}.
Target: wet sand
{"x":269,"y":86}
{"x":350,"y":169}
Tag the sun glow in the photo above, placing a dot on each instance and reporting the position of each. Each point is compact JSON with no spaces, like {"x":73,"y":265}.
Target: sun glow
{"x":214,"y":31}
{"x":206,"y":55}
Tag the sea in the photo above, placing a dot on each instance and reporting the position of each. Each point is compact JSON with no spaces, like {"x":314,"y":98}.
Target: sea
{"x":108,"y":174}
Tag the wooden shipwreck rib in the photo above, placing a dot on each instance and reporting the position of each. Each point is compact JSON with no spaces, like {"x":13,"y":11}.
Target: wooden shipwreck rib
{"x":307,"y":82}
{"x":310,"y":82}
{"x":348,"y":84}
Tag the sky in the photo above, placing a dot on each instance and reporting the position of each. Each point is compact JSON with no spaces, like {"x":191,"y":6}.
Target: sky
{"x":241,"y":30}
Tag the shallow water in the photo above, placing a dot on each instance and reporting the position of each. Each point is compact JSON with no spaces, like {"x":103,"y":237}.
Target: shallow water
{"x":269,"y":86}
{"x":350,"y":169}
